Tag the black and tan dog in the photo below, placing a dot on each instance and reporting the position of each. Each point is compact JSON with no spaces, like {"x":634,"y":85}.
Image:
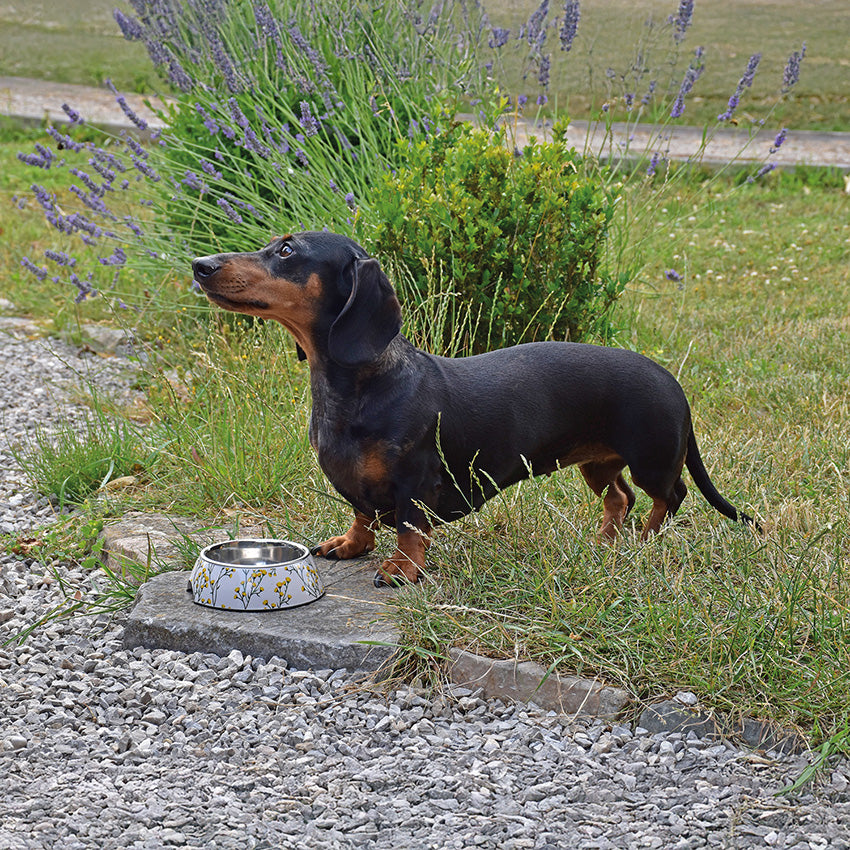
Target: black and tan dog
{"x":409,"y":438}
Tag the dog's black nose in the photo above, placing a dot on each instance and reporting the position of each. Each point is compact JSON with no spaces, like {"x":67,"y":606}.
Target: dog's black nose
{"x":205,"y":267}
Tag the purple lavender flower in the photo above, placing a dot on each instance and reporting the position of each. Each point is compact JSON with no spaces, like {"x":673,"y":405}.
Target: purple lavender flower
{"x":308,"y":122}
{"x":209,"y":122}
{"x":543,"y":71}
{"x":117,"y":258}
{"x":133,"y":227}
{"x":130,"y":28}
{"x":682,"y":21}
{"x":134,"y":146}
{"x":644,"y":101}
{"x":498,"y":37}
{"x":210,"y":169}
{"x":92,"y":200}
{"x":194,"y":182}
{"x":64,"y":141}
{"x":765,"y":169}
{"x":43,"y":159}
{"x":691,"y":76}
{"x":84,"y":286}
{"x":90,"y":184}
{"x":522,"y":100}
{"x":107,"y":159}
{"x":232,"y":214}
{"x":653,"y":164}
{"x":244,"y":205}
{"x":223,"y":63}
{"x":791,"y":74}
{"x":535,"y":32}
{"x":778,"y":141}
{"x":60,"y":257}
{"x":744,"y":83}
{"x":126,"y":108}
{"x":38,"y":271}
{"x":146,"y":169}
{"x":349,"y":199}
{"x":107,"y":174}
{"x":302,"y":158}
{"x":672,"y":274}
{"x":569,"y":26}
{"x":178,"y":77}
{"x":268,"y":25}
{"x":73,"y":115}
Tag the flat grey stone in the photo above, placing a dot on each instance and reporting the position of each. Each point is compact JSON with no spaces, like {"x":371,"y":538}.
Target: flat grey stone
{"x":347,"y":628}
{"x":159,"y":539}
{"x":526,"y":681}
{"x":102,"y":339}
{"x":672,"y":716}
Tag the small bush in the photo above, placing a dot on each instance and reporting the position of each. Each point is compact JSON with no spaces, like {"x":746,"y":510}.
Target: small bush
{"x":518,"y":235}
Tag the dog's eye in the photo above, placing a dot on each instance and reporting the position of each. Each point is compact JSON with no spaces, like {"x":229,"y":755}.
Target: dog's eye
{"x":285,"y":250}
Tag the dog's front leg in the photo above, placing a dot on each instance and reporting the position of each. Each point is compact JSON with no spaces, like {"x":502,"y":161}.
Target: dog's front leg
{"x":358,"y":540}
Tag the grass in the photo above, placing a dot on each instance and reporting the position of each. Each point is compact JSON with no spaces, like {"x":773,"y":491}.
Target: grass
{"x":72,"y":41}
{"x":611,"y":35}
{"x":757,"y":332}
{"x":79,"y":42}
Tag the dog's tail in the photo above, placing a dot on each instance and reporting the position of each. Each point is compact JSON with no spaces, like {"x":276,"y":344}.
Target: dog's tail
{"x":696,"y":467}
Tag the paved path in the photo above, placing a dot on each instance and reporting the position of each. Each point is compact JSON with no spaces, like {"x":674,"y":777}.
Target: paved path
{"x":37,"y":100}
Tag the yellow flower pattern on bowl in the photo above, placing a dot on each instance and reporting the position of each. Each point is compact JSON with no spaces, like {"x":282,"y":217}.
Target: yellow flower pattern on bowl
{"x":255,"y":575}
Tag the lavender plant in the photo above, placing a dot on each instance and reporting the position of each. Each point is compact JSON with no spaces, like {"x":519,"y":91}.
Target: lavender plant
{"x":284,"y":116}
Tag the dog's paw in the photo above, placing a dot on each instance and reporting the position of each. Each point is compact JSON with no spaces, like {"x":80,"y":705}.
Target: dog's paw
{"x":341,"y":548}
{"x":394,"y":574}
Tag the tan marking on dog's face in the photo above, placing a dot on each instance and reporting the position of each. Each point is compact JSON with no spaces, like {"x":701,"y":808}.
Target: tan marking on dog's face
{"x":244,"y":286}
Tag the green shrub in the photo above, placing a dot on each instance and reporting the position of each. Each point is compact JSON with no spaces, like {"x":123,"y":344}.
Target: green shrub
{"x":519,"y":236}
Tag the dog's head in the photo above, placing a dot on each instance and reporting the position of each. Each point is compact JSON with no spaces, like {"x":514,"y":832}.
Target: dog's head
{"x":324,"y":288}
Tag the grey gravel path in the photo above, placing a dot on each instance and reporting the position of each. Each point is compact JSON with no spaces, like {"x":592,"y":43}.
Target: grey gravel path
{"x":101,"y":747}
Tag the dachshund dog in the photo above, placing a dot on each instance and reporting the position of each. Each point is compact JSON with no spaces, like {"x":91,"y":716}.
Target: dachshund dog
{"x":410,"y":439}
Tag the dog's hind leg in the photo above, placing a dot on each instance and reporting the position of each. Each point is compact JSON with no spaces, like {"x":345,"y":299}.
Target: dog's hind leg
{"x":605,"y":477}
{"x":663,"y":507}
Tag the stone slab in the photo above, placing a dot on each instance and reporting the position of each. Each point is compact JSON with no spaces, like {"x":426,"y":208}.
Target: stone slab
{"x":526,"y":681}
{"x":347,"y":628}
{"x":139,"y":538}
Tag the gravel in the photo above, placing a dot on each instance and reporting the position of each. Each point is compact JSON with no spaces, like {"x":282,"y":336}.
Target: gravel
{"x":103,"y":747}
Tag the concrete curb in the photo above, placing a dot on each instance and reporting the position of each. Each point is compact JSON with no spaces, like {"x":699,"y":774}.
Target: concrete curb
{"x":526,"y":681}
{"x":671,"y":716}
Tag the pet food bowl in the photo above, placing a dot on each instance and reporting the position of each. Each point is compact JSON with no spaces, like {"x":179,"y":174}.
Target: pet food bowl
{"x":255,"y":575}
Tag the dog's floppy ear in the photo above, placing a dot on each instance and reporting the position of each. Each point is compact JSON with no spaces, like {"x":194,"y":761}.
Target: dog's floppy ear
{"x":370,"y":319}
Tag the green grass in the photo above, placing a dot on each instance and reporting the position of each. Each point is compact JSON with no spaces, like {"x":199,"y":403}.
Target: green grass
{"x":72,"y":41}
{"x":79,"y":42}
{"x":757,"y":333}
{"x":611,"y":34}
